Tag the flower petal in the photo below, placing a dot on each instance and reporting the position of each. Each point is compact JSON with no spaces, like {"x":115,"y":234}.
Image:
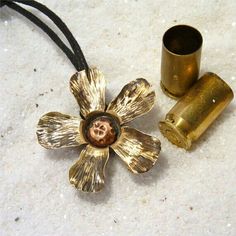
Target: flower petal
{"x":89,"y":92}
{"x":57,"y":130}
{"x":134,"y":100}
{"x":88,"y":173}
{"x":138,"y":150}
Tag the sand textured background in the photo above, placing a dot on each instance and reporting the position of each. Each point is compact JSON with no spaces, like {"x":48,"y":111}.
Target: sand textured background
{"x":186,"y":193}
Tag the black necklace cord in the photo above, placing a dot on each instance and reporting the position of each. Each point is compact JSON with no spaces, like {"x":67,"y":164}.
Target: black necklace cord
{"x":75,"y":55}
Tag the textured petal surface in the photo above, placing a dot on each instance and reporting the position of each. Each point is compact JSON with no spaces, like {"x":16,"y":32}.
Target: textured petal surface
{"x":89,"y":92}
{"x":88,"y":173}
{"x":138,"y":150}
{"x":57,"y":130}
{"x":134,"y":100}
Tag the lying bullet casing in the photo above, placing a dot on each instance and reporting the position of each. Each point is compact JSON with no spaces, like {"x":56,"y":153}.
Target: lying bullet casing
{"x":196,"y":110}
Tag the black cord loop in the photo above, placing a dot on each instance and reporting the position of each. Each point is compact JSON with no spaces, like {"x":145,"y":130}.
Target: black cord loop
{"x":75,"y":55}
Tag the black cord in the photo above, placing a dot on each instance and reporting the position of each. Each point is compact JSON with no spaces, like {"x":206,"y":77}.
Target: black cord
{"x":76,"y":56}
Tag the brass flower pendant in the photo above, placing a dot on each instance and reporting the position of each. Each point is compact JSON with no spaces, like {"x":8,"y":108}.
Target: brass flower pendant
{"x":101,"y":128}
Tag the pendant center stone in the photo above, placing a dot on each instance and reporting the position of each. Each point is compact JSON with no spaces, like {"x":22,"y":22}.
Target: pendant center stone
{"x":102,"y":131}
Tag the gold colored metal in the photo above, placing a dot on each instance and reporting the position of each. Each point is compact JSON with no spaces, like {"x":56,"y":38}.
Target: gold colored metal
{"x":57,"y":130}
{"x":196,"y":110}
{"x":88,"y":173}
{"x":89,"y":92}
{"x":101,"y":129}
{"x":138,"y":150}
{"x":180,"y":63}
{"x":134,"y":100}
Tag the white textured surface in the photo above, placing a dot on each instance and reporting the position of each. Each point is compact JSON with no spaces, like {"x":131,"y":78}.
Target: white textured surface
{"x":187,"y":193}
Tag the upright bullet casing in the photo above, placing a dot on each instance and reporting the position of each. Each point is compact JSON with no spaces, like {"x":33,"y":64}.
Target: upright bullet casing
{"x":196,"y":110}
{"x":180,"y":63}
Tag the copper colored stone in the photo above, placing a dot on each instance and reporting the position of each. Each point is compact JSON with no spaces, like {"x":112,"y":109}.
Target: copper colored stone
{"x":101,"y":132}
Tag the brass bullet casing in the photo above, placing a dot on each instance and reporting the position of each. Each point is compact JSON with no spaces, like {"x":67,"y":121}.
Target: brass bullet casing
{"x":180,"y":63}
{"x":196,"y":110}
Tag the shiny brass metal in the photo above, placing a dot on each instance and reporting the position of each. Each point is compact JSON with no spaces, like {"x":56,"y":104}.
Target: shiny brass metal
{"x":101,"y":128}
{"x":88,"y":173}
{"x":180,"y":63}
{"x":53,"y":127}
{"x":196,"y":110}
{"x":137,"y":149}
{"x":134,"y":100}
